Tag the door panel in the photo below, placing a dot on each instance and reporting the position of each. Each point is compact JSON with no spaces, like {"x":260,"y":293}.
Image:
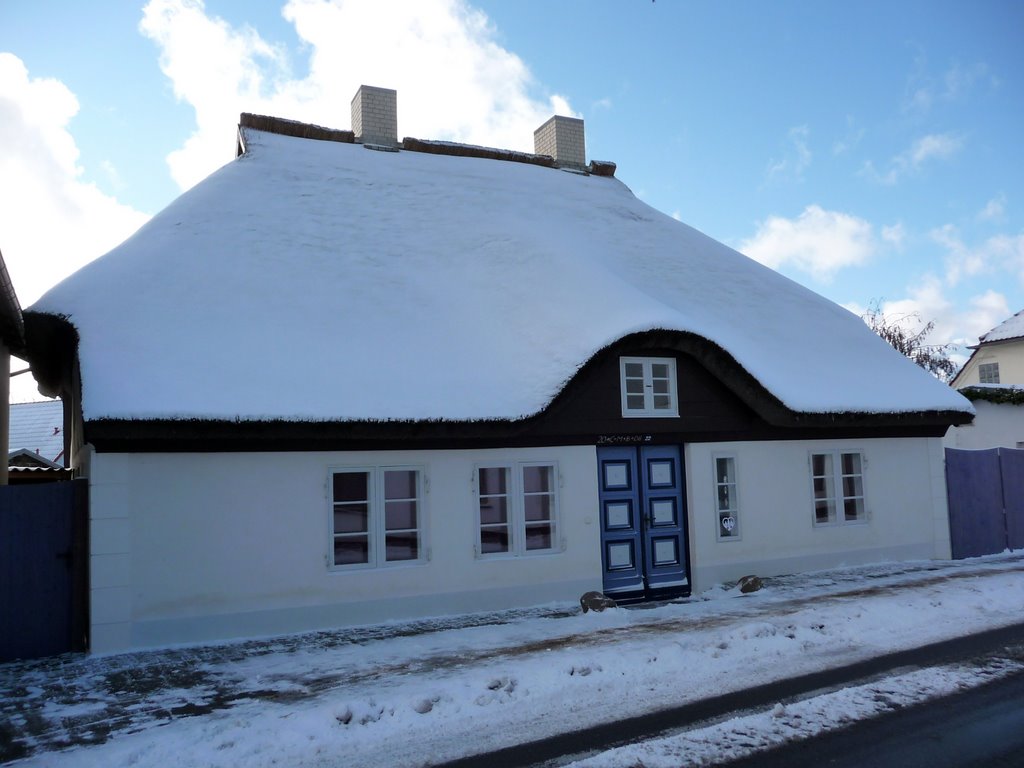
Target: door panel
{"x":620,"y":521}
{"x":662,"y":526}
{"x":643,"y":518}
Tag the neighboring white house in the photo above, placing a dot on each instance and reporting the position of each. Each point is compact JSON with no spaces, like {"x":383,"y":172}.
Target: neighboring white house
{"x":993,"y":379}
{"x":998,"y":358}
{"x":329,"y":385}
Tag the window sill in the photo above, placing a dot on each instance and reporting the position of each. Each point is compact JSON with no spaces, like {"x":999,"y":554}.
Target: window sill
{"x":361,"y":567}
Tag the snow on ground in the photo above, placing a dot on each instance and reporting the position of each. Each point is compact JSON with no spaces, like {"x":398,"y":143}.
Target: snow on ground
{"x":413,"y":695}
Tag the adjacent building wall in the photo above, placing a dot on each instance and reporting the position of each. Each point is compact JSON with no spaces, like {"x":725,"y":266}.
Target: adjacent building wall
{"x":996,"y":425}
{"x":193,"y":547}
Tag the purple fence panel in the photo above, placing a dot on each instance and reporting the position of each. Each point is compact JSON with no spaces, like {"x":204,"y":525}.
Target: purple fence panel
{"x":1011,"y":462}
{"x":976,"y":521}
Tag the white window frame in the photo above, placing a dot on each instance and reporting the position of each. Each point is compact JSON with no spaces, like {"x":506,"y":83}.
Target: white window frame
{"x":839,"y":496}
{"x":377,"y":535}
{"x":733,"y":509}
{"x":517,"y":523}
{"x":649,"y":410}
{"x":989,"y":371}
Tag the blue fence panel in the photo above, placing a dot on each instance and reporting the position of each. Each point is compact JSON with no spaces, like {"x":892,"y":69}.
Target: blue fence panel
{"x":1011,"y":462}
{"x":976,"y":520}
{"x":43,"y":556}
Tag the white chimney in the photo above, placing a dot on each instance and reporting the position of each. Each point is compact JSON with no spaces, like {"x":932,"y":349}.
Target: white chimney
{"x":562,"y":138}
{"x":375,"y":116}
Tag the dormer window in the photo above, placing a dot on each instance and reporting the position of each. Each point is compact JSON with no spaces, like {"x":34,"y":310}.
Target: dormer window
{"x":648,"y":387}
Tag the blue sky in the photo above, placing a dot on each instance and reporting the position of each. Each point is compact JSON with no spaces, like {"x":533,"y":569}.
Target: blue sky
{"x":871,"y":151}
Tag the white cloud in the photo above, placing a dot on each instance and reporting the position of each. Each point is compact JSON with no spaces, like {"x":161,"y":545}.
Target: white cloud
{"x":454,"y":81}
{"x":935,"y":146}
{"x":999,"y":253}
{"x":959,"y":80}
{"x":894,"y":235}
{"x":796,"y":158}
{"x":48,"y":214}
{"x":850,"y":140}
{"x":956,"y":84}
{"x":819,"y":242}
{"x":954,"y":324}
{"x":994,"y":209}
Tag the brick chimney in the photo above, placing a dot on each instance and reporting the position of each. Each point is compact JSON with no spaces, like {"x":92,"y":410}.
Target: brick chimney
{"x":562,"y":138}
{"x":375,"y":116}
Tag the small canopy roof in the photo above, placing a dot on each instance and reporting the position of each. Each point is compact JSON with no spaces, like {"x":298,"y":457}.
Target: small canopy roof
{"x":316,"y":280}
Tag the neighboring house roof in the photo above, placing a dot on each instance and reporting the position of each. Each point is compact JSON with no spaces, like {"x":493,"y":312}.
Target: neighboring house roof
{"x":12,"y":327}
{"x":23,"y":458}
{"x":1012,"y":328}
{"x":38,"y":428}
{"x":316,"y":280}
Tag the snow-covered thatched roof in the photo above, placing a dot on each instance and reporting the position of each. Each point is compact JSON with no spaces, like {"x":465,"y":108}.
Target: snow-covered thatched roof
{"x":313,"y":280}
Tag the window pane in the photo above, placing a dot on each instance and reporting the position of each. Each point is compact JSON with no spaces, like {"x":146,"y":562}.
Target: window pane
{"x":821,"y":464}
{"x":727,"y":526}
{"x":823,"y":488}
{"x":659,"y":370}
{"x":853,"y":486}
{"x":493,"y":540}
{"x":665,"y":552}
{"x":351,"y":550}
{"x":399,"y":515}
{"x":662,"y":402}
{"x":351,"y":518}
{"x":634,"y":386}
{"x":616,"y":476}
{"x":493,"y":510}
{"x":661,"y":386}
{"x":824,"y":511}
{"x":634,"y":370}
{"x":537,"y":507}
{"x":854,"y":509}
{"x":538,"y":537}
{"x":635,"y":402}
{"x":723,"y":497}
{"x":400,"y":484}
{"x":619,"y":555}
{"x":723,"y":470}
{"x":663,"y":512}
{"x":851,"y":464}
{"x":538,"y":479}
{"x":351,"y":486}
{"x":617,"y":515}
{"x":493,"y":480}
{"x":402,"y":546}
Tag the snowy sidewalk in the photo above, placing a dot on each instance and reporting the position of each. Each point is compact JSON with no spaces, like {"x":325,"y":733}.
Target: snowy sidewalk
{"x":419,"y":692}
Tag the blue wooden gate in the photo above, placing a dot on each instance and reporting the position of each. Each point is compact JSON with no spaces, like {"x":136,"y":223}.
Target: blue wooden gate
{"x":986,"y":500}
{"x":43,"y":569}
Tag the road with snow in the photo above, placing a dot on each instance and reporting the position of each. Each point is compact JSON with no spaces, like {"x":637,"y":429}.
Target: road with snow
{"x":983,"y":726}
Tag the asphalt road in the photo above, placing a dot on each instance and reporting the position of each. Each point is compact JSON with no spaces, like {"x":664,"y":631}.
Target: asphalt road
{"x":983,"y":726}
{"x":561,"y":749}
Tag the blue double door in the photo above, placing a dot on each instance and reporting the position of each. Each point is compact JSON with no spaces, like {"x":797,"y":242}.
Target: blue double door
{"x":643,"y":522}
